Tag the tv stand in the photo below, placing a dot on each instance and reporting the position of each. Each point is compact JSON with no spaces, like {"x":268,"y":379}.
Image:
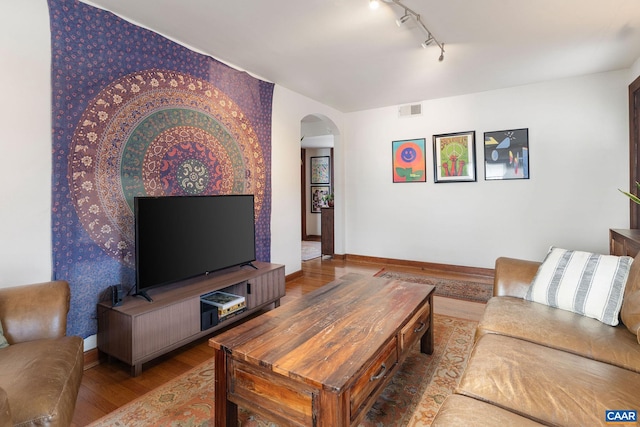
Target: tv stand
{"x":138,"y":331}
{"x":250,"y":264}
{"x":143,"y":294}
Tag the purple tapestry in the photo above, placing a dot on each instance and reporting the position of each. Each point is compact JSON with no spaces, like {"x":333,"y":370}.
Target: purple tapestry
{"x":135,"y":114}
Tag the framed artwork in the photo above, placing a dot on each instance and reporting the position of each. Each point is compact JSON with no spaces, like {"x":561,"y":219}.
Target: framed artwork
{"x":318,"y":193}
{"x":506,"y":154}
{"x":320,"y":172}
{"x":409,"y":160}
{"x":454,"y":157}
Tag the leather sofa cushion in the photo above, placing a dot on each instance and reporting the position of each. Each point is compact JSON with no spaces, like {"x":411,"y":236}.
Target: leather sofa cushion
{"x":5,"y":411}
{"x":458,"y":410}
{"x":41,"y":379}
{"x":546,"y":385}
{"x":562,"y":330}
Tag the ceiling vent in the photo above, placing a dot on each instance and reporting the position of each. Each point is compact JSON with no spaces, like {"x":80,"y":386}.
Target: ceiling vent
{"x":410,"y":110}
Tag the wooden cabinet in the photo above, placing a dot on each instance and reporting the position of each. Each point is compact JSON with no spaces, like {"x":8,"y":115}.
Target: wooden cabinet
{"x":139,"y":330}
{"x":326,"y":230}
{"x":624,"y":242}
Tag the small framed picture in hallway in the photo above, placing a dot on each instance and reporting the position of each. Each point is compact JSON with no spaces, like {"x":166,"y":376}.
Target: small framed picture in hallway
{"x":318,"y":197}
{"x":320,"y":172}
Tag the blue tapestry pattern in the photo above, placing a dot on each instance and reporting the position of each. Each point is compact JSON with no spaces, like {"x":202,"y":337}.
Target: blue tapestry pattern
{"x":135,"y":114}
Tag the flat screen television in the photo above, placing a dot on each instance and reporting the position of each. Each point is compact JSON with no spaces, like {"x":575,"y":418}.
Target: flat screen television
{"x":180,"y":237}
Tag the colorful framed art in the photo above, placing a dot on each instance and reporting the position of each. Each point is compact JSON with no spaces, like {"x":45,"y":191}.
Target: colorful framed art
{"x":454,"y":157}
{"x":320,"y":172}
{"x":506,"y":154}
{"x":409,"y":160}
{"x":318,"y":197}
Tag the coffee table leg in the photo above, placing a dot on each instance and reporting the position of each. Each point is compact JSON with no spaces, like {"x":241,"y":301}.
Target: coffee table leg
{"x":226,"y":412}
{"x":426,"y":342}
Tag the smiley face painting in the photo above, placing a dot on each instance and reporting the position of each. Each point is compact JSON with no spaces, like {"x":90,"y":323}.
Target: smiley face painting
{"x":409,"y":160}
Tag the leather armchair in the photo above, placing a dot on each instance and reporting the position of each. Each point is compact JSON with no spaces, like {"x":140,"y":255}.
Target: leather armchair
{"x":41,"y":369}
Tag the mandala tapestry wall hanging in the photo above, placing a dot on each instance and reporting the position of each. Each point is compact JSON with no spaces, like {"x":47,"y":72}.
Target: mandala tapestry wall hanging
{"x":135,"y":114}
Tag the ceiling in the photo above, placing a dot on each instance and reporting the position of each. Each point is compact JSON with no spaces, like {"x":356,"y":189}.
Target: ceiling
{"x":347,"y":56}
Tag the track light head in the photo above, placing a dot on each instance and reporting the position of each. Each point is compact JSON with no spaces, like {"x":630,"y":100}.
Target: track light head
{"x":441,"y":58}
{"x":400,"y":22}
{"x":428,"y":42}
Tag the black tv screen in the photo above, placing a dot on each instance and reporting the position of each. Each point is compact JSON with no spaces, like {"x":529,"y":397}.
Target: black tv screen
{"x":185,"y":236}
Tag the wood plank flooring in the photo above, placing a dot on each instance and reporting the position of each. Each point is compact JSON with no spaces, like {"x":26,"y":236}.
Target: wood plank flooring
{"x":108,"y":386}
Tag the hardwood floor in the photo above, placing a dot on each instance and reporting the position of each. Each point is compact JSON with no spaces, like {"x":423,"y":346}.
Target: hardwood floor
{"x":108,"y":385}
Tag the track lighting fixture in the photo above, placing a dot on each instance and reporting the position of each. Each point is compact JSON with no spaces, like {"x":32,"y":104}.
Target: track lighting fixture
{"x":400,"y":22}
{"x":408,"y":14}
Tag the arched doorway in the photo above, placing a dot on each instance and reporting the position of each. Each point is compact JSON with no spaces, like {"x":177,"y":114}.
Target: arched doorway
{"x":318,"y":136}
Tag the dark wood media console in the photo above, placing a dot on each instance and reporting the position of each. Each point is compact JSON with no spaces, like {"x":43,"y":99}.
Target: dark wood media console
{"x":139,"y":330}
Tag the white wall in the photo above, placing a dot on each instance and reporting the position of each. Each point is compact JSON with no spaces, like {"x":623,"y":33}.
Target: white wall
{"x":635,"y":71}
{"x":25,"y":143}
{"x":578,"y":144}
{"x":288,"y":110}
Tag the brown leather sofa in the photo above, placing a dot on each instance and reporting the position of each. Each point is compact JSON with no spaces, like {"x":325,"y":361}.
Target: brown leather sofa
{"x":41,"y":369}
{"x":536,"y":365}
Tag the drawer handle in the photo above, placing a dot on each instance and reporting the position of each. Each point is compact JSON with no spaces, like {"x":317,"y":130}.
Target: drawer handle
{"x":419,"y":328}
{"x":383,"y":370}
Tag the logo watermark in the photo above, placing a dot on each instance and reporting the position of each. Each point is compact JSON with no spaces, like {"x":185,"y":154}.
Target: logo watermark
{"x":621,"y":416}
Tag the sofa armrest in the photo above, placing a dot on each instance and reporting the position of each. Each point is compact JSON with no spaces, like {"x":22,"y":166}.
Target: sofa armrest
{"x":32,"y":312}
{"x":513,"y":276}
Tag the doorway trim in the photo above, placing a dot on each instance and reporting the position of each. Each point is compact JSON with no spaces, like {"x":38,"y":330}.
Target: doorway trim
{"x":634,"y":150}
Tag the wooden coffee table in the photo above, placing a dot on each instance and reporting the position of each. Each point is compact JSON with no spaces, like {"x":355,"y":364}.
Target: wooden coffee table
{"x":323,"y":359}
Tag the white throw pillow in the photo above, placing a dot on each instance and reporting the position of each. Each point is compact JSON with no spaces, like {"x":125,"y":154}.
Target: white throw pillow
{"x":585,"y":283}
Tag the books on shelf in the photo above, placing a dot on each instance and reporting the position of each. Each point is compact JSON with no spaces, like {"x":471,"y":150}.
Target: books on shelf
{"x":225,"y":302}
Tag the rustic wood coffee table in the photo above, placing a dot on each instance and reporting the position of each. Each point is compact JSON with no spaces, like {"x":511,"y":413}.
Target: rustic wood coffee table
{"x":323,"y":359}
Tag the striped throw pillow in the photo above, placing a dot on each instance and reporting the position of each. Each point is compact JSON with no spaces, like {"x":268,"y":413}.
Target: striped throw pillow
{"x":585,"y":283}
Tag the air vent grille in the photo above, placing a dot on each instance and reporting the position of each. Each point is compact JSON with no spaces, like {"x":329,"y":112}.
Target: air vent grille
{"x":410,"y":110}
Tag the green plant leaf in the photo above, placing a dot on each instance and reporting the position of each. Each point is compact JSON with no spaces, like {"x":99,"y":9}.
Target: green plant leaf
{"x":631,"y":196}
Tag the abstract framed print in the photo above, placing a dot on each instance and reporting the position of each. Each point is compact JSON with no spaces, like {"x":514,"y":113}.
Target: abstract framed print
{"x":318,"y":197}
{"x":320,"y":172}
{"x":506,"y":154}
{"x":409,"y":160}
{"x":454,"y":157}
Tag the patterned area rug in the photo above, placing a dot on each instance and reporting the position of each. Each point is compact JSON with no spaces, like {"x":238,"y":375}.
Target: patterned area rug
{"x":459,"y":289}
{"x":412,"y":398}
{"x":310,"y":250}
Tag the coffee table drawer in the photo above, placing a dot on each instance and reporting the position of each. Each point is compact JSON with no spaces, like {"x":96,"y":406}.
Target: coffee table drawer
{"x":373,"y":377}
{"x":414,"y":329}
{"x":254,"y":387}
